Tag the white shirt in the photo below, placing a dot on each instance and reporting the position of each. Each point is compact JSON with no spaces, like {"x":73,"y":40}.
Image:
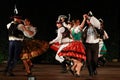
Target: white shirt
{"x":76,"y":29}
{"x":59,"y":37}
{"x":91,"y":37}
{"x":31,"y":28}
{"x":95,"y":22}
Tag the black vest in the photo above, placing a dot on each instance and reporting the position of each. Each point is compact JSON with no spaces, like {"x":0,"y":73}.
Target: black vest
{"x":13,"y":30}
{"x":66,"y":33}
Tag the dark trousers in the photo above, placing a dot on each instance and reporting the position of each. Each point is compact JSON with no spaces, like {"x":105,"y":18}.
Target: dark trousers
{"x":92,"y":56}
{"x":15,"y":48}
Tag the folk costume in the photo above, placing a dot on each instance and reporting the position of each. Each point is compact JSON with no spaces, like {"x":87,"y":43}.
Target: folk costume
{"x":68,"y":47}
{"x":15,"y":37}
{"x":92,"y":44}
{"x":102,"y":46}
{"x":31,"y":47}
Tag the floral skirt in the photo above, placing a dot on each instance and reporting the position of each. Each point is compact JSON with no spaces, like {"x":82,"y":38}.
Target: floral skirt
{"x":75,"y":49}
{"x":33,"y":48}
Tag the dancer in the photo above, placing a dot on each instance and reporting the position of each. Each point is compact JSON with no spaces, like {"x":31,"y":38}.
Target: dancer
{"x":76,"y":32}
{"x":102,"y":46}
{"x":68,"y":47}
{"x":16,"y":37}
{"x":92,"y":44}
{"x":31,"y":47}
{"x":58,"y":39}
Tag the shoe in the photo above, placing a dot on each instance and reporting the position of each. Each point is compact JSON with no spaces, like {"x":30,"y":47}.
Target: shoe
{"x":91,"y":74}
{"x":95,"y":72}
{"x":77,"y":75}
{"x":28,"y":74}
{"x":67,"y":62}
{"x":9,"y":74}
{"x":32,"y":66}
{"x":64,"y":71}
{"x":64,"y":68}
{"x":73,"y":72}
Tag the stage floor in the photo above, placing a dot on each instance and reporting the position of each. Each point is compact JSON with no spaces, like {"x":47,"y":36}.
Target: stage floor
{"x":111,"y":71}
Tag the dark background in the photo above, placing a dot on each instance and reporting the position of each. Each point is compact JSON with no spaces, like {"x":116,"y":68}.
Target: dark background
{"x":44,"y":13}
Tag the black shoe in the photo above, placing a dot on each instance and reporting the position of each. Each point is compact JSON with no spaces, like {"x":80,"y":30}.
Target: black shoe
{"x":77,"y":75}
{"x":28,"y":74}
{"x":95,"y":72}
{"x":91,"y":74}
{"x":64,"y":67}
{"x":9,"y":74}
{"x":101,"y":61}
{"x":32,"y":66}
{"x":64,"y":71}
{"x":73,"y":72}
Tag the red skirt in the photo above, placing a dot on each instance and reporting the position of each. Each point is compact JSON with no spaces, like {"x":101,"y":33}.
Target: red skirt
{"x":55,"y":46}
{"x":75,"y":49}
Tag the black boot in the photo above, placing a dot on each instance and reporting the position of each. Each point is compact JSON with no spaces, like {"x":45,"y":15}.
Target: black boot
{"x":95,"y":72}
{"x":64,"y":67}
{"x":101,"y":61}
{"x":8,"y":73}
{"x":90,"y":71}
{"x":84,"y":65}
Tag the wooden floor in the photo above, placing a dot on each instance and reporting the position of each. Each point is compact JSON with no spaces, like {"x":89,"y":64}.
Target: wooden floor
{"x":111,"y":71}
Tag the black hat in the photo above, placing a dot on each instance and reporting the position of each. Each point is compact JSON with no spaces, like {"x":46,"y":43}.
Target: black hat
{"x":16,"y":16}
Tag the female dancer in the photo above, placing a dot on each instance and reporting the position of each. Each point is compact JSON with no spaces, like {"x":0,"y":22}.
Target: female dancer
{"x":31,"y":47}
{"x":68,"y":47}
{"x":102,"y":46}
{"x":76,"y":32}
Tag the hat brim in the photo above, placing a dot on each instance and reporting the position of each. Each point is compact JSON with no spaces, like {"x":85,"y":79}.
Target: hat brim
{"x":18,"y":17}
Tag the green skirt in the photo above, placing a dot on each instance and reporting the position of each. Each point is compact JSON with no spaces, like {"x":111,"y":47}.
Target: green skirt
{"x":103,"y":49}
